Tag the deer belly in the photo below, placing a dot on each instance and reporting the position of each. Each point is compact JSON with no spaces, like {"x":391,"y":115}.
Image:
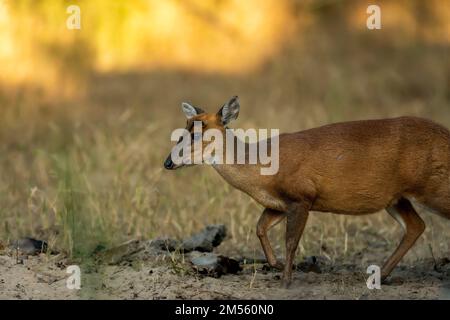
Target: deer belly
{"x":266,"y":199}
{"x":353,"y":204}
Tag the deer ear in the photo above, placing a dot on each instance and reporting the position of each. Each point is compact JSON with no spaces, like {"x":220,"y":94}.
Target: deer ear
{"x":190,"y":111}
{"x":229,"y":111}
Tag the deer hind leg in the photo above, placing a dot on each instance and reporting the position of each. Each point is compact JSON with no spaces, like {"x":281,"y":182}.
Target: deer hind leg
{"x":295,"y":224}
{"x":413,"y":227}
{"x":438,"y":201}
{"x":268,"y":219}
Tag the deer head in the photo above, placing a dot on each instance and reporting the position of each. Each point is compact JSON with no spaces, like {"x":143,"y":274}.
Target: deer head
{"x":197,"y":118}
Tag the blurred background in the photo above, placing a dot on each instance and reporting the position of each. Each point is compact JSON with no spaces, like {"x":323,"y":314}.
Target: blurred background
{"x":86,"y":115}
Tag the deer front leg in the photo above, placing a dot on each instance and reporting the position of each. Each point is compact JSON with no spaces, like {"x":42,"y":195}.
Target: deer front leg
{"x":268,"y":219}
{"x":295,"y":224}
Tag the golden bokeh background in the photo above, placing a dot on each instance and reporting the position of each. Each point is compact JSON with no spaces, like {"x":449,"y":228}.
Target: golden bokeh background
{"x":224,"y":36}
{"x":194,"y":35}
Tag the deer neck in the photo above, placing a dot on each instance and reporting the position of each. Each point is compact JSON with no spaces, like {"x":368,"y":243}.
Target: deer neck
{"x":241,"y":176}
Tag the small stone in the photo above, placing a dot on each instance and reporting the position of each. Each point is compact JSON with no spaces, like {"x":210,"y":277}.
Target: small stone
{"x":214,"y":265}
{"x":205,"y":241}
{"x":29,"y":246}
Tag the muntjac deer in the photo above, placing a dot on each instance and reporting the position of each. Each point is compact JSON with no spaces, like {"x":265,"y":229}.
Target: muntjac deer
{"x":353,"y":168}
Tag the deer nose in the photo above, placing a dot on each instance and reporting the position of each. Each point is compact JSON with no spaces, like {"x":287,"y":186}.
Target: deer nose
{"x":168,"y":164}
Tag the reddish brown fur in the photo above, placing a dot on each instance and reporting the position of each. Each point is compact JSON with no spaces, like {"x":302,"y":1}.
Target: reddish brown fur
{"x":354,"y":168}
{"x":365,"y":166}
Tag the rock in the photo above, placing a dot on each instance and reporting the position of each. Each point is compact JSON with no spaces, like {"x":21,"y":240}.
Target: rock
{"x":29,"y":246}
{"x":214,"y":265}
{"x":206,"y":240}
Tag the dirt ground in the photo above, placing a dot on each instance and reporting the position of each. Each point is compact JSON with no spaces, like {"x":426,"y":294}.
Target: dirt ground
{"x":145,"y":275}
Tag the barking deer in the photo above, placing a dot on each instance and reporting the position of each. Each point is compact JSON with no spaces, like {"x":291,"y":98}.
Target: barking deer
{"x":353,"y":168}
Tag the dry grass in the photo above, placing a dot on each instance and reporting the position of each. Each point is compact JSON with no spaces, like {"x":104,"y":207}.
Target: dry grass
{"x":88,"y":170}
